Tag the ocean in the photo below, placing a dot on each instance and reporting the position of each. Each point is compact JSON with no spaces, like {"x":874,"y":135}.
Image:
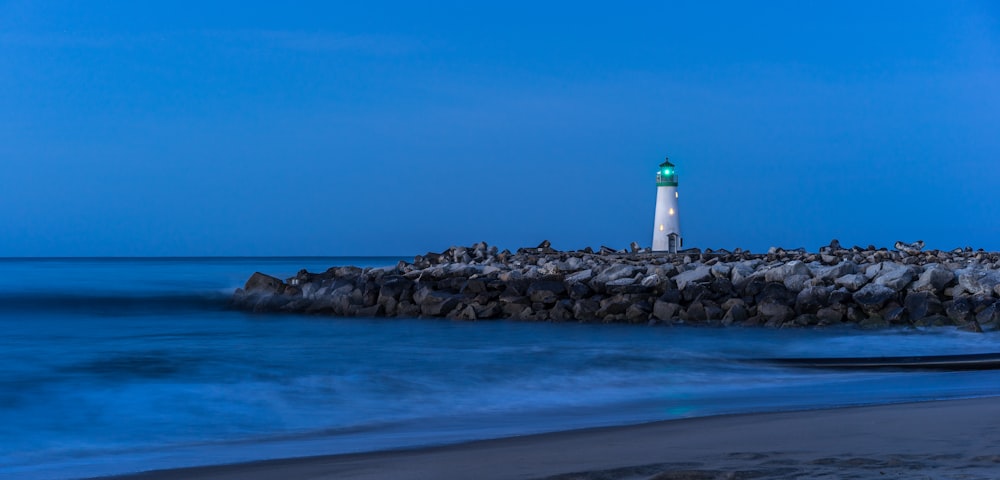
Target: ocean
{"x":116,"y":365}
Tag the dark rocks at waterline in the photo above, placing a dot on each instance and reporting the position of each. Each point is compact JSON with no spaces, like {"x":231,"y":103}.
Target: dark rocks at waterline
{"x":782,"y":288}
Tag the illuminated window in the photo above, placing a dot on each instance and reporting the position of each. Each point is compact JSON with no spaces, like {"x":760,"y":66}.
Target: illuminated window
{"x":671,"y":211}
{"x":661,"y":228}
{"x":676,"y":195}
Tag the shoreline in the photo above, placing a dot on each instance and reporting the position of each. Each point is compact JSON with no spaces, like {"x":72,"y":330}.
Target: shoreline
{"x":934,"y":437}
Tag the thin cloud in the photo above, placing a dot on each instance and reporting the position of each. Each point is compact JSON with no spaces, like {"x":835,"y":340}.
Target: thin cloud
{"x":321,"y":41}
{"x":318,"y":42}
{"x":58,"y":40}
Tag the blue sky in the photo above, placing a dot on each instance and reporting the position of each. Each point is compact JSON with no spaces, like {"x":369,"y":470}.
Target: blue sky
{"x":253,"y":128}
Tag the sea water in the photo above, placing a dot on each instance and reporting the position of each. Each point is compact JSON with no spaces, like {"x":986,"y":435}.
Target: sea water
{"x":111,"y":366}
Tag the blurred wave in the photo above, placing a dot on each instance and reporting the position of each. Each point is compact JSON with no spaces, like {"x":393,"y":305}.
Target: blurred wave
{"x":110,"y":366}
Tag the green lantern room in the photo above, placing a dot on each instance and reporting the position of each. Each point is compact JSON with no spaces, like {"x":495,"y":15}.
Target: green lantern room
{"x":666,"y":176}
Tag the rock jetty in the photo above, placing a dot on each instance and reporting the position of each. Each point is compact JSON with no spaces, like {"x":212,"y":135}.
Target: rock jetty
{"x":866,"y":286}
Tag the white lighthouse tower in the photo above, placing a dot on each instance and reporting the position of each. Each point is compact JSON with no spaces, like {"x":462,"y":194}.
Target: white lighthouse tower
{"x":667,"y":226}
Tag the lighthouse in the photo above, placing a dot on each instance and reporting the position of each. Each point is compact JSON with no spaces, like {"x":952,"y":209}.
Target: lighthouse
{"x":667,"y":226}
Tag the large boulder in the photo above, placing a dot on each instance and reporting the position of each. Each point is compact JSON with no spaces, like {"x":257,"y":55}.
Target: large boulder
{"x":260,"y":283}
{"x":989,"y":316}
{"x":585,"y":310}
{"x":742,"y":271}
{"x":578,"y":290}
{"x":394,"y":287}
{"x":934,"y":279}
{"x":612,"y":273}
{"x":812,"y":298}
{"x":722,"y":270}
{"x":613,"y":305}
{"x":581,"y":276}
{"x":797,"y":282}
{"x":736,"y":313}
{"x":546,"y":291}
{"x":921,"y":305}
{"x":775,"y":313}
{"x":960,"y":310}
{"x":910,"y":248}
{"x":776,"y":293}
{"x":979,"y":282}
{"x":665,"y":311}
{"x":780,"y":272}
{"x":638,"y":312}
{"x":873,"y":295}
{"x":699,"y":274}
{"x":695,"y":313}
{"x":893,"y":275}
{"x":436,"y":303}
{"x":828,"y":274}
{"x":830,"y":315}
{"x":852,"y":281}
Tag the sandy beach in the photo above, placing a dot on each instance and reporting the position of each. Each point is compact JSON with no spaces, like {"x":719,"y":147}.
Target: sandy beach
{"x":943,"y":439}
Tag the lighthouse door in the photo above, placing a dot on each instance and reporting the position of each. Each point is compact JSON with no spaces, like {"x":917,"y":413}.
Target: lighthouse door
{"x":672,"y":243}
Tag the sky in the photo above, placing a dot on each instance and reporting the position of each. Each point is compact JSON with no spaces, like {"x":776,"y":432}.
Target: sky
{"x":396,"y":128}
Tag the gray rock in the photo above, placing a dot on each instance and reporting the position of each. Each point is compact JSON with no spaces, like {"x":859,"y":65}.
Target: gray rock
{"x":893,"y":275}
{"x":578,"y":290}
{"x":840,"y":295}
{"x":731,"y":302}
{"x":437,"y":303}
{"x":832,"y":272}
{"x":516,"y":310}
{"x":780,"y":272}
{"x":910,"y":248}
{"x":561,"y":311}
{"x":621,"y":282}
{"x":736,"y":313}
{"x":934,"y":278}
{"x":830,"y":316}
{"x":616,"y":271}
{"x":545,"y":291}
{"x":742,"y":271}
{"x":309,"y":290}
{"x":852,"y":281}
{"x":989,"y":316}
{"x":921,"y":305}
{"x":959,"y":310}
{"x":695,"y":313}
{"x":775,"y":313}
{"x":638,"y":313}
{"x":263,"y":284}
{"x":574,"y":264}
{"x":581,"y":276}
{"x":776,"y":293}
{"x":369,"y":312}
{"x":701,"y":273}
{"x":395,"y":287}
{"x":979,"y":282}
{"x":651,"y":281}
{"x":665,"y":311}
{"x":895,"y":315}
{"x":796,"y":283}
{"x":613,"y":305}
{"x":811,"y":299}
{"x":585,"y":310}
{"x":722,"y":270}
{"x":873,"y":295}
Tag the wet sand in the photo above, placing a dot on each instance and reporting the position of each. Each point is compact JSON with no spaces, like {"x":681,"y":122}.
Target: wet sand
{"x":945,"y":439}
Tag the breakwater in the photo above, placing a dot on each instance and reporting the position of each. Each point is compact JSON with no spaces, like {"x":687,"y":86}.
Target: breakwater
{"x":782,"y":288}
